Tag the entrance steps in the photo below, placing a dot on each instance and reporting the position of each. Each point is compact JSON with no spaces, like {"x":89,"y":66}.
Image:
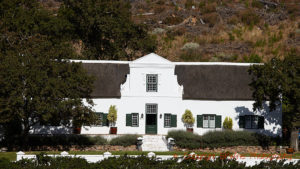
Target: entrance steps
{"x":154,"y":143}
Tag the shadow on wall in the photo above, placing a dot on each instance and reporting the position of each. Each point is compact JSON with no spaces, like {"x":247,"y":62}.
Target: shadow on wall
{"x":51,"y":130}
{"x":273,"y":120}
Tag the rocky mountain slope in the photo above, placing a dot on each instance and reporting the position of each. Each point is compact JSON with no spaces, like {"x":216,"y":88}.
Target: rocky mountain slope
{"x":216,"y":30}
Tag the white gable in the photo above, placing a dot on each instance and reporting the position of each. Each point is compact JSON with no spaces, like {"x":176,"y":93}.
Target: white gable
{"x":152,"y":58}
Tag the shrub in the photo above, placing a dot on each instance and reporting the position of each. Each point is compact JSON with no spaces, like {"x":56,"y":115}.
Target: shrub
{"x":125,"y":140}
{"x":188,"y":118}
{"x":217,"y":139}
{"x":112,"y":115}
{"x":185,"y":139}
{"x":227,"y":124}
{"x":66,"y":141}
{"x":125,"y":162}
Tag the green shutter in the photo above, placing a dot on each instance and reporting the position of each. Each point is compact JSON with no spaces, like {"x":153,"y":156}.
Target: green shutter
{"x":261,"y":122}
{"x":242,"y":121}
{"x":128,"y":120}
{"x":105,"y":121}
{"x":165,"y":120}
{"x":199,"y":121}
{"x":173,"y":120}
{"x":218,"y":122}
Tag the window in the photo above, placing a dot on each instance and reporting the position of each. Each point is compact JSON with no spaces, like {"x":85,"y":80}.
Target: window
{"x":151,"y":108}
{"x":209,"y":121}
{"x":132,"y":119}
{"x":151,"y":83}
{"x":135,"y":120}
{"x":167,"y":120}
{"x":99,"y":119}
{"x":251,"y":122}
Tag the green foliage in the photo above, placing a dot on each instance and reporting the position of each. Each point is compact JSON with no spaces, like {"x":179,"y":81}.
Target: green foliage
{"x":112,"y":114}
{"x":188,"y":118}
{"x":227,"y":124}
{"x":217,"y":139}
{"x":124,"y":162}
{"x":37,"y":82}
{"x":278,"y":81}
{"x":253,"y":58}
{"x":125,"y":140}
{"x":59,"y":141}
{"x":106,"y":29}
{"x":185,"y":139}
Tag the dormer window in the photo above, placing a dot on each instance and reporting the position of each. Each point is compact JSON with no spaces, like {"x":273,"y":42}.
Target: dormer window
{"x":151,"y":83}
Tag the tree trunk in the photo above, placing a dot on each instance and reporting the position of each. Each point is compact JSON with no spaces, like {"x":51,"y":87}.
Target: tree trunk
{"x":295,"y":139}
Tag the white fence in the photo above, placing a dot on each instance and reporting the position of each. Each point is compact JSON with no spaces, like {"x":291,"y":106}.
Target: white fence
{"x":250,"y":161}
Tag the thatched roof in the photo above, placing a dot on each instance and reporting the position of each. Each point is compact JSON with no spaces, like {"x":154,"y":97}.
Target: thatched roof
{"x":214,"y":82}
{"x":203,"y":82}
{"x":109,"y":77}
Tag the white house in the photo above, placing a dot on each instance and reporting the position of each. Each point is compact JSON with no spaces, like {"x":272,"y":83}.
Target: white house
{"x":152,"y":93}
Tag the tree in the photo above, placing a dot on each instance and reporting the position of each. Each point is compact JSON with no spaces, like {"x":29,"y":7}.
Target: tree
{"x":279,"y":82}
{"x":106,"y":29}
{"x":112,"y":115}
{"x":38,"y":85}
{"x":188,"y":118}
{"x":227,"y":124}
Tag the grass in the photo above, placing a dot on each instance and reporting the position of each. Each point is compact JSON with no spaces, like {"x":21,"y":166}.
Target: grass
{"x":12,"y":155}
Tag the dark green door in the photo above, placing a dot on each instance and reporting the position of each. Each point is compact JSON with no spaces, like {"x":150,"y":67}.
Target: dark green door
{"x":151,"y":123}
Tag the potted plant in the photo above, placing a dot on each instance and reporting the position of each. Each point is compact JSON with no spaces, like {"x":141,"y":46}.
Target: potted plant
{"x":112,"y":118}
{"x":189,"y":120}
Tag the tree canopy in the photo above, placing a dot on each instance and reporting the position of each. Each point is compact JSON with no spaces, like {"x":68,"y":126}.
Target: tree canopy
{"x":279,"y":82}
{"x":38,"y":84}
{"x":106,"y":29}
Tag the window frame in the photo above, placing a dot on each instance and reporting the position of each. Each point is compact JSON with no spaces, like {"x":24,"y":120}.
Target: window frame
{"x":150,"y":85}
{"x":209,"y":121}
{"x":151,"y":112}
{"x":169,"y":120}
{"x":132,"y":119}
{"x":252,"y":118}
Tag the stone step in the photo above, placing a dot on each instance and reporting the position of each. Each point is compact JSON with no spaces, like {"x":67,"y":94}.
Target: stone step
{"x":154,"y":143}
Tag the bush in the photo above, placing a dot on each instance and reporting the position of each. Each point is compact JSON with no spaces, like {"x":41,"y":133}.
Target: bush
{"x":58,"y":141}
{"x":125,"y":140}
{"x":185,"y":139}
{"x":217,"y":139}
{"x":125,"y":162}
{"x":227,"y":124}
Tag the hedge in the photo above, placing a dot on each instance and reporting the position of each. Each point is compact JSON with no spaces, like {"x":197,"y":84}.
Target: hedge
{"x":125,"y":140}
{"x":140,"y":162}
{"x":217,"y":139}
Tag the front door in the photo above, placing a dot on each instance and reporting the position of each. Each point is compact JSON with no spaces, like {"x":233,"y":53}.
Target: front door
{"x":151,"y":118}
{"x":151,"y":123}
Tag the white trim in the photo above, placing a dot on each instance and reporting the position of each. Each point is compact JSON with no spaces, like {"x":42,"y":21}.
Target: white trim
{"x":102,"y":61}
